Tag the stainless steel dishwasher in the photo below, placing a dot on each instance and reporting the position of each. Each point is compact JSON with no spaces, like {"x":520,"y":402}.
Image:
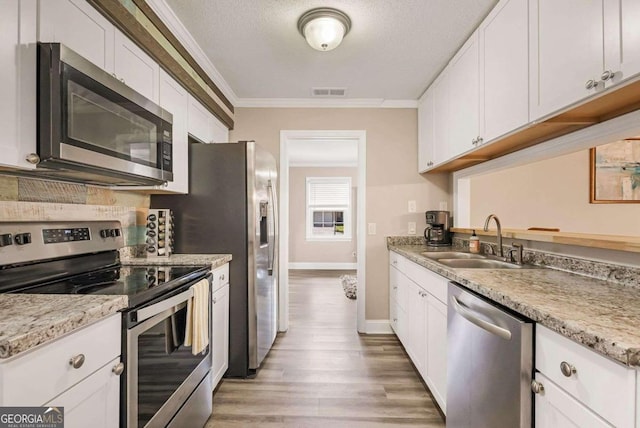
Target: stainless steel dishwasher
{"x":489,"y":364}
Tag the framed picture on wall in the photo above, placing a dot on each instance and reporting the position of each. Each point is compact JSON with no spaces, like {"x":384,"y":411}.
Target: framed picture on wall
{"x":615,"y":173}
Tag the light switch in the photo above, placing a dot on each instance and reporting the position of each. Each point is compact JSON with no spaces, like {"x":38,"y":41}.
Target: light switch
{"x":371,"y":227}
{"x":412,"y":206}
{"x":412,"y":228}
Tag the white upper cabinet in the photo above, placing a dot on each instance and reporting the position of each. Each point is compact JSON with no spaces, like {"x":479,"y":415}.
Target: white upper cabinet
{"x":76,"y":24}
{"x":426,"y":141}
{"x":504,"y":69}
{"x":464,"y":94}
{"x":441,"y":117}
{"x":135,"y":68}
{"x":175,"y":99}
{"x":566,"y":53}
{"x":198,"y":121}
{"x":219,"y":131}
{"x":622,"y":41}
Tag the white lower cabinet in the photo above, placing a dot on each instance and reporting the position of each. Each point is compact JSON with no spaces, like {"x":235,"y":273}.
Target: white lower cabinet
{"x":418,"y":315}
{"x":220,"y":324}
{"x":580,"y":387}
{"x":89,"y":391}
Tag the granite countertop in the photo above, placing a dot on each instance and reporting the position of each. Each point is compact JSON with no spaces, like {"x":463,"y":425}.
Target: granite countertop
{"x":215,"y":260}
{"x":29,"y":320}
{"x":600,"y":314}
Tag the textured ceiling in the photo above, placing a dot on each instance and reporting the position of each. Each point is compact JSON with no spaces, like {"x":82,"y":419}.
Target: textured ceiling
{"x":394,"y":50}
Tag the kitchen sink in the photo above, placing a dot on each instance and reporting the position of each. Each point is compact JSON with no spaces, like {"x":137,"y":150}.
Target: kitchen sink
{"x":435,"y":255}
{"x":481,"y":264}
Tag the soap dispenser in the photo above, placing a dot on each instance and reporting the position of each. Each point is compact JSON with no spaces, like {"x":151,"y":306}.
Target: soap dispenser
{"x":474,"y":243}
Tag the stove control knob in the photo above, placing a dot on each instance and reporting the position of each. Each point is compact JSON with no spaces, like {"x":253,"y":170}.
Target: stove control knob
{"x":23,"y":238}
{"x":114,"y":232}
{"x":117,"y":232}
{"x":6,"y":239}
{"x":104,"y":233}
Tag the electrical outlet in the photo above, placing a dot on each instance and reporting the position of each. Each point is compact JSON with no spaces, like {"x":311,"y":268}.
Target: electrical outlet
{"x":371,"y":228}
{"x":412,"y":206}
{"x":412,"y":228}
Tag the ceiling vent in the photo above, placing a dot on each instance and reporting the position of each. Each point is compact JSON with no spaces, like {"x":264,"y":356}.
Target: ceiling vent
{"x":328,"y":92}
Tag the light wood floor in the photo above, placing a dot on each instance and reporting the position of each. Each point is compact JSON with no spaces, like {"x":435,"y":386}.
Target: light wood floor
{"x":321,"y":373}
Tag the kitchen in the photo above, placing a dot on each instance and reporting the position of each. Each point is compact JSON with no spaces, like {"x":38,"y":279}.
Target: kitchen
{"x":391,"y":176}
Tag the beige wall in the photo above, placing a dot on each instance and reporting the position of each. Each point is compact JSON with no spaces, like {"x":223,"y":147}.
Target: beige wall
{"x":550,"y":193}
{"x":392,"y":178}
{"x":301,"y":250}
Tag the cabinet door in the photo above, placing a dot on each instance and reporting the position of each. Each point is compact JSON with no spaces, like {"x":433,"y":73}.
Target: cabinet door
{"x":464,"y":98}
{"x":629,"y":39}
{"x":441,"y":117}
{"x":566,"y":51}
{"x":504,"y":69}
{"x":198,"y":121}
{"x":416,"y":347}
{"x":220,"y":334}
{"x":76,"y":24}
{"x":175,"y":99}
{"x":436,"y":356}
{"x":219,"y":131}
{"x":135,"y":68}
{"x":93,"y":402}
{"x":554,"y":408}
{"x":426,"y":131}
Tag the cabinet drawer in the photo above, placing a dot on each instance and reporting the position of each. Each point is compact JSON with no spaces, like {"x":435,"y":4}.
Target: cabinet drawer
{"x":555,"y":408}
{"x":39,"y":375}
{"x":431,"y":282}
{"x":220,"y":277}
{"x":602,"y":385}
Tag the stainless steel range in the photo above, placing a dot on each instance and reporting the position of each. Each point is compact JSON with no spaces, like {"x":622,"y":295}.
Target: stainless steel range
{"x":164,"y":384}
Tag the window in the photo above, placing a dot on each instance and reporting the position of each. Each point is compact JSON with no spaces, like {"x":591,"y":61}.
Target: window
{"x":329,"y":208}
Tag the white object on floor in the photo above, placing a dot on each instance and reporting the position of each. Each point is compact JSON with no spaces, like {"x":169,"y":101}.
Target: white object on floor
{"x":350,"y":286}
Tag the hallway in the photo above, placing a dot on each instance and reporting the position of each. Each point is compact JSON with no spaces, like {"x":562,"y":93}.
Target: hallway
{"x":321,"y":373}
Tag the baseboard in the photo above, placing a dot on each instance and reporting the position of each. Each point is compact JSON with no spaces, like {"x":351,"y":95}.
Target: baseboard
{"x":378,"y":327}
{"x":323,"y":266}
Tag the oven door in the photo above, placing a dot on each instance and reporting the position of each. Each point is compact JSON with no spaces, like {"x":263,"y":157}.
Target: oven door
{"x":162,"y":373}
{"x":87,"y":117}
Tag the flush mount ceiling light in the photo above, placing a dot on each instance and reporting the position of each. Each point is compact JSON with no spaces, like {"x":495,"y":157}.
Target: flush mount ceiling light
{"x":324,"y":27}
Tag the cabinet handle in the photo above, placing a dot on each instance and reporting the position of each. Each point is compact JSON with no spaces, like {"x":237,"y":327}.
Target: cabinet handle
{"x":118,"y":368}
{"x":32,"y":158}
{"x":474,"y":141}
{"x":591,"y":84}
{"x":395,"y":287}
{"x":215,"y":300}
{"x":608,"y":75}
{"x":395,"y":262}
{"x":567,"y":369}
{"x":77,"y":361}
{"x":480,"y":140}
{"x":222,"y":277}
{"x":537,"y":387}
{"x":395,"y":319}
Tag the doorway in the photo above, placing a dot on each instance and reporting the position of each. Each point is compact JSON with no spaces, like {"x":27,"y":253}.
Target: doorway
{"x":289,"y":142}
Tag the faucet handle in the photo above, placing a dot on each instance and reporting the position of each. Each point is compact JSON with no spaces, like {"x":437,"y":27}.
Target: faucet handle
{"x":489,"y":250}
{"x":517,"y":249}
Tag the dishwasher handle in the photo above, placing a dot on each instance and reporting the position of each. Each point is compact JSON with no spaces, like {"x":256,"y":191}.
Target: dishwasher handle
{"x":485,"y":325}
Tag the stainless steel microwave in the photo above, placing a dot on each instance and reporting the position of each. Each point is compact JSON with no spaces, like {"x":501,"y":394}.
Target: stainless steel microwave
{"x":94,"y":129}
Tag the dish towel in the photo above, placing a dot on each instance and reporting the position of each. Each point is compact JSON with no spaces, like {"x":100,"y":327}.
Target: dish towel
{"x":197,"y":329}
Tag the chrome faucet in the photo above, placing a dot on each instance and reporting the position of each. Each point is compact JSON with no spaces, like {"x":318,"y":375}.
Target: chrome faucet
{"x":499,"y":234}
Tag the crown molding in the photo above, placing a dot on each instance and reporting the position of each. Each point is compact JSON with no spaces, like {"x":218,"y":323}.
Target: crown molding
{"x":324,"y":103}
{"x":171,"y":20}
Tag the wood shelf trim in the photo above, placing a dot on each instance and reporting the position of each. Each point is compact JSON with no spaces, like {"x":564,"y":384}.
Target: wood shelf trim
{"x":608,"y":242}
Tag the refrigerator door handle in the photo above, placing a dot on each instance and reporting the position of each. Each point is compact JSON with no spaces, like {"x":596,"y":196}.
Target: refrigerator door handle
{"x":272,"y":256}
{"x":469,"y":316}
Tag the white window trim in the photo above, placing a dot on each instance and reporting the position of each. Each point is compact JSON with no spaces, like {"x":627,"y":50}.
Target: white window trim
{"x":348,"y":225}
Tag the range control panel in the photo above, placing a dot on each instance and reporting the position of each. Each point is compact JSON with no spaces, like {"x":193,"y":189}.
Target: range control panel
{"x":22,"y":242}
{"x":54,"y":236}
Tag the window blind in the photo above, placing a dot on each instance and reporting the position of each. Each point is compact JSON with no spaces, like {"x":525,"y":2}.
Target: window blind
{"x":329,"y":192}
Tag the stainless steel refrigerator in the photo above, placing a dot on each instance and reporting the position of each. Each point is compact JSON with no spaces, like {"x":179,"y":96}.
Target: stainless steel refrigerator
{"x":232,"y":208}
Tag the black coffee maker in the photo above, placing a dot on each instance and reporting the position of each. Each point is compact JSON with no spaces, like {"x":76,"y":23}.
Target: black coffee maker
{"x":437,"y":232}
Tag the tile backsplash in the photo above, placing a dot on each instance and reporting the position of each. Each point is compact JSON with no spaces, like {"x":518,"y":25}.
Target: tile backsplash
{"x":26,"y":199}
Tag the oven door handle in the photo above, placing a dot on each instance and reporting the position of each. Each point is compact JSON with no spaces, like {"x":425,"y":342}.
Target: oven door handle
{"x":148,"y":312}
